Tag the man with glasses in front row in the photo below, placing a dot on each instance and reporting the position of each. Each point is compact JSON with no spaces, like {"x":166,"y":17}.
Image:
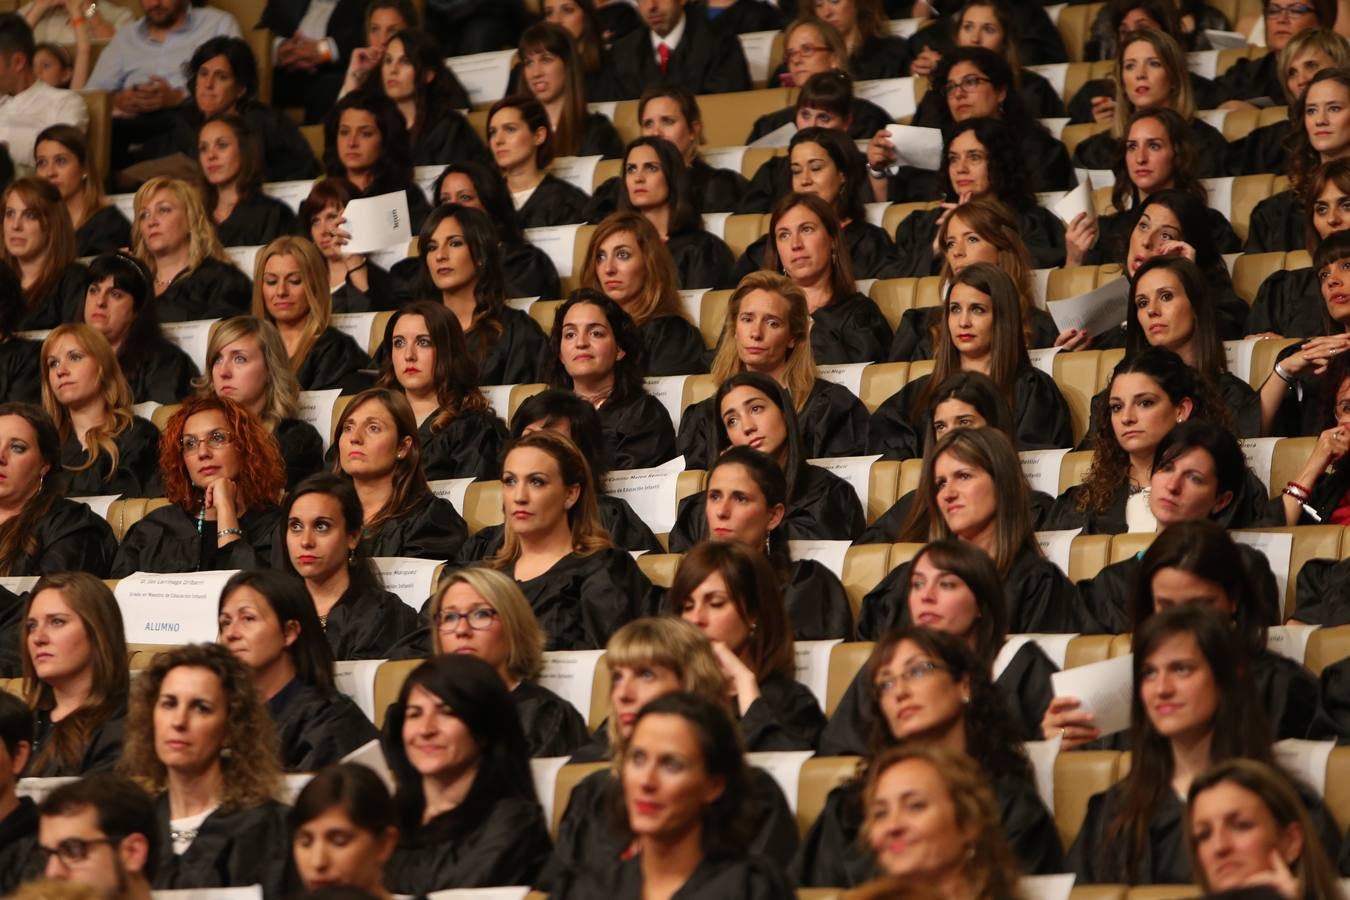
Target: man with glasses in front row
{"x":99,"y":831}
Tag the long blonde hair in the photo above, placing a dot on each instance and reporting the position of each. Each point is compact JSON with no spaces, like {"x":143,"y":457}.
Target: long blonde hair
{"x":113,"y":390}
{"x":314,"y":277}
{"x":203,"y":243}
{"x":1174,"y":61}
{"x":660,"y":287}
{"x":283,"y":388}
{"x":800,"y":374}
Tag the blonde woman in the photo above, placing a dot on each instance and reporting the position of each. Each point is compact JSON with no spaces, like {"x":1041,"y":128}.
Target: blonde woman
{"x":246,"y":362}
{"x":105,"y":447}
{"x":173,"y":235}
{"x":290,"y":290}
{"x":481,"y":612}
{"x":767,"y":330}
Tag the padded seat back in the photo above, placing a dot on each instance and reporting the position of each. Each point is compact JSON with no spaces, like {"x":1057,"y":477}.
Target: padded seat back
{"x":569,"y":777}
{"x":1086,"y":649}
{"x":1073,"y":468}
{"x":1327,"y":646}
{"x":846,"y":661}
{"x":1088,"y":555}
{"x":741,"y":231}
{"x":124,"y":513}
{"x":1078,"y":776}
{"x":1248,"y":190}
{"x":389,"y":678}
{"x":864,"y":567}
{"x":881,"y":381}
{"x":712,"y":314}
{"x":1074,"y":135}
{"x":898,"y":212}
{"x":727,"y":117}
{"x":660,"y":567}
{"x":1075,"y":24}
{"x":819,"y":776}
{"x":1252,"y":269}
{"x":1123,"y":546}
{"x":1075,"y":374}
{"x":893,"y":296}
{"x":483,"y":505}
{"x":883,"y":479}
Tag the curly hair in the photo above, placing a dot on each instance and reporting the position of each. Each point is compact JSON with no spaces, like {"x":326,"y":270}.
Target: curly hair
{"x":1303,"y":160}
{"x":251,"y":770}
{"x":627,"y":370}
{"x":455,"y":374}
{"x":1185,"y":161}
{"x":1009,"y":180}
{"x":203,"y":242}
{"x":113,"y":391}
{"x":1013,"y":110}
{"x":44,"y":201}
{"x":262,"y":474}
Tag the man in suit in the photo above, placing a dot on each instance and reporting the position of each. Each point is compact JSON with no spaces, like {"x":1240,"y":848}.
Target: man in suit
{"x":677,"y":48}
{"x":314,"y":42}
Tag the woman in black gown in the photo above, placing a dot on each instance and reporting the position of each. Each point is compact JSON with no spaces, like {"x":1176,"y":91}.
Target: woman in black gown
{"x":700,"y":844}
{"x":232,"y":172}
{"x":481,"y":612}
{"x":61,"y":156}
{"x":357,"y":284}
{"x":731,"y":594}
{"x":379,"y":450}
{"x":366,"y":141}
{"x":343,"y":830}
{"x":468,"y":815}
{"x":596,"y":351}
{"x":75,"y":675}
{"x":812,"y":47}
{"x":222,"y":475}
{"x":220,"y":824}
{"x":873,"y":52}
{"x":553,"y":73}
{"x":268,"y":622}
{"x":427,"y":360}
{"x":39,"y":244}
{"x":521,"y":140}
{"x":924,"y":685}
{"x":321,"y":523}
{"x":20,"y":358}
{"x":105,"y":447}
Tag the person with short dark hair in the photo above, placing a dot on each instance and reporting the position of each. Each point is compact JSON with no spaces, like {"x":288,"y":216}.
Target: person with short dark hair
{"x":30,"y":104}
{"x":676,"y":47}
{"x":101,"y":831}
{"x":18,"y":815}
{"x":520,"y":137}
{"x":231,"y":161}
{"x":343,"y":832}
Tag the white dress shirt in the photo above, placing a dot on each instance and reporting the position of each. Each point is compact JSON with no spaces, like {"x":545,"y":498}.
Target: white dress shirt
{"x":24,"y":115}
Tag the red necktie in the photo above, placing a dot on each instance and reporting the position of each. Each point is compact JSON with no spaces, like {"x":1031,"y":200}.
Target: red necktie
{"x":663,"y":54}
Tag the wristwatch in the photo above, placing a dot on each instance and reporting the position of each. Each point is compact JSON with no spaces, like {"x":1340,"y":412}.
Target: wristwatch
{"x":91,"y":9}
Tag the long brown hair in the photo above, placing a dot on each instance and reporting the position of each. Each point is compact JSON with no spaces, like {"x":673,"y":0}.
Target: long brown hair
{"x":113,"y":389}
{"x":18,"y":535}
{"x":842,"y":283}
{"x":44,"y":200}
{"x":455,"y":374}
{"x":545,"y":37}
{"x":1173,"y":60}
{"x":660,"y":292}
{"x":94,"y":605}
{"x":409,"y":478}
{"x":1303,"y":159}
{"x":800,"y":373}
{"x":91,"y":184}
{"x":997,"y":225}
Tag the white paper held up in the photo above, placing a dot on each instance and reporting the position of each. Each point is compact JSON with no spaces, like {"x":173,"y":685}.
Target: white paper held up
{"x":895,"y":95}
{"x":1075,"y":202}
{"x":778,"y":138}
{"x":378,"y":222}
{"x":1104,"y":689}
{"x":917,"y":147}
{"x":1096,"y":312}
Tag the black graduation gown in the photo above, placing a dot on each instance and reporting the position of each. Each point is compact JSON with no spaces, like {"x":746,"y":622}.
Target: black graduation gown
{"x":772,"y":180}
{"x":301,"y":449}
{"x":429,"y":528}
{"x":510,"y":845}
{"x":626,"y":530}
{"x":582,"y":600}
{"x":1277,"y":224}
{"x":256,"y":221}
{"x":702,"y":260}
{"x":512,"y":356}
{"x":63,"y":302}
{"x":833,"y":422}
{"x":1261,"y":151}
{"x":335,"y":361}
{"x":1248,"y":510}
{"x":137,"y":473}
{"x":317,"y":728}
{"x":715,"y":190}
{"x":887,"y":527}
{"x":1039,"y":98}
{"x":914,"y":335}
{"x":160,"y":372}
{"x":1211,"y":157}
{"x":529,"y":271}
{"x":831,"y":854}
{"x":368,"y":624}
{"x":553,"y":727}
{"x":100,"y":754}
{"x":470,"y":446}
{"x":554,"y":202}
{"x":823,"y":507}
{"x":674,"y":346}
{"x":378,"y":295}
{"x":869,"y":249}
{"x":1248,"y":79}
{"x":233,"y":848}
{"x":749,"y":878}
{"x":1024,"y":684}
{"x":1041,"y":413}
{"x":106,"y":230}
{"x":213,"y":290}
{"x":1207,"y":96}
{"x":1041,"y":599}
{"x":286,"y":154}
{"x":1288,"y":303}
{"x":1333,"y":706}
{"x":880,"y":57}
{"x":709,"y":60}
{"x":1243,"y":403}
{"x":1113,"y":236}
{"x":599,"y":137}
{"x":18,"y":841}
{"x":746,"y":16}
{"x":449,"y":138}
{"x":1301,"y":413}
{"x":1041,"y":229}
{"x":849,"y":330}
{"x":637,"y":433}
{"x":166,"y":540}
{"x":21,"y":370}
{"x":587,"y":837}
{"x":868,"y":119}
{"x":786,"y":716}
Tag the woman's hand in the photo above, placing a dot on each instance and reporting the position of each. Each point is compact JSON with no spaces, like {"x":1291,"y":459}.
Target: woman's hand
{"x":1177,"y":248}
{"x":221,"y":495}
{"x":1063,"y":719}
{"x":741,"y":680}
{"x":1079,"y":238}
{"x":1071,"y":339}
{"x":1278,"y":877}
{"x":941,"y":222}
{"x":364,"y":60}
{"x":880,"y":151}
{"x":1331,"y":446}
{"x":1103,"y":109}
{"x":1315,"y":354}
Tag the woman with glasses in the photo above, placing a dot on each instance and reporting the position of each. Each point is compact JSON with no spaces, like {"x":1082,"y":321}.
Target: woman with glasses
{"x":1251,"y":79}
{"x":812,"y":47}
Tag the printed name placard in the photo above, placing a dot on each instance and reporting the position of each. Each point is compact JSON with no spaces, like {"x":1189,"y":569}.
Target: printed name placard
{"x":669,"y":389}
{"x":1204,"y":63}
{"x":1259,"y":454}
{"x":244,"y":258}
{"x":499,"y":398}
{"x":876,"y":212}
{"x":1057,"y":545}
{"x":715,"y":223}
{"x":356,"y":326}
{"x":1041,"y":468}
{"x":377,"y":223}
{"x":724,"y":157}
{"x":1055,"y":73}
{"x":18,"y":585}
{"x":1237,"y":355}
{"x":1290,"y":640}
{"x":571,"y":675}
{"x":1046,"y":887}
{"x":779,"y":137}
{"x":484,"y":75}
{"x":758,"y":49}
{"x":37,"y":789}
{"x":1104,"y":688}
{"x":125,"y":203}
{"x":316,"y":408}
{"x":1305,"y":760}
{"x":492,"y":893}
{"x":145,"y":410}
{"x":190,"y":337}
{"x":544,"y":773}
{"x":829,"y":554}
{"x":411,"y":579}
{"x":1043,"y":754}
{"x":606,"y":108}
{"x":651,"y":492}
{"x":178,"y":608}
{"x":692,"y":301}
{"x":292,"y":193}
{"x":856,"y":470}
{"x":558,"y":242}
{"x":785,"y":767}
{"x":847,"y":375}
{"x":578,"y":171}
{"x":1220,"y":191}
{"x":425,"y":179}
{"x":98,"y":504}
{"x":813,"y":666}
{"x":895,"y":95}
{"x":452,"y":489}
{"x":1278,"y":547}
{"x":1043,"y":358}
{"x":356,"y":679}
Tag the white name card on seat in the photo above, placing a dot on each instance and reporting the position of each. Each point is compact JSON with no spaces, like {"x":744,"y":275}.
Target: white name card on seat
{"x":1046,"y":887}
{"x":37,"y":789}
{"x":829,"y":554}
{"x":292,"y":784}
{"x":1056,"y":125}
{"x":1055,"y":73}
{"x":571,"y":675}
{"x":371,"y":755}
{"x":378,"y":223}
{"x":847,"y":375}
{"x":522,"y":303}
{"x":856,"y":470}
{"x":1259,"y":454}
{"x":251,"y":892}
{"x":491,"y":893}
{"x":904,"y":28}
{"x":1042,"y":755}
{"x":785,"y":767}
{"x":244,"y":259}
{"x":125,"y":203}
{"x":1220,"y":194}
{"x":876,"y":213}
{"x":915,"y":146}
{"x":651,"y":492}
{"x":1056,"y":545}
{"x":578,"y":171}
{"x":1225,"y":40}
{"x":1096,"y":312}
{"x":779,"y":137}
{"x":606,"y":108}
{"x":145,"y":410}
{"x":484,"y":75}
{"x":1213,"y":117}
{"x":425,"y":179}
{"x":865,"y":287}
{"x":1054,"y":645}
{"x":812,"y":660}
{"x":895,"y":95}
{"x":1105,"y":689}
{"x":356,"y":326}
{"x":452,"y":489}
{"x":98,"y":504}
{"x":1055,"y":11}
{"x":724,"y":157}
{"x":178,"y":608}
{"x":692,"y":301}
{"x":1041,"y":469}
{"x":498,"y":398}
{"x":1290,"y":640}
{"x":669,"y":389}
{"x":411,"y":579}
{"x":1237,"y":356}
{"x":716,"y":223}
{"x":292,"y":193}
{"x":544,"y":773}
{"x":1043,"y":358}
{"x":190,"y":337}
{"x":316,"y":408}
{"x":1204,"y":63}
{"x":1040,"y":279}
{"x":18,"y":585}
{"x":1305,"y":760}
{"x":356,"y":679}
{"x":758,"y":49}
{"x":558,"y":242}
{"x":1278,"y":547}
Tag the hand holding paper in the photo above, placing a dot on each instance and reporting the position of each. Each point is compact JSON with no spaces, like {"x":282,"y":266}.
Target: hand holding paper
{"x":1095,"y":312}
{"x":375,"y":223}
{"x":1104,"y":689}
{"x":915,"y":146}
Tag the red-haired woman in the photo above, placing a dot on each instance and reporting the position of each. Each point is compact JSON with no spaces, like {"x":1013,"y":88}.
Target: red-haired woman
{"x":223,"y":475}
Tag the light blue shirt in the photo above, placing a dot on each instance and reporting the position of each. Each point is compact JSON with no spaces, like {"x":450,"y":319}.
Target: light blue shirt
{"x":132,"y":57}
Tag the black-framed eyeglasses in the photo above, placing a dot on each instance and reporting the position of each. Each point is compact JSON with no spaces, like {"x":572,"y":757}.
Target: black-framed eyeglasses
{"x":917,"y":672}
{"x":215,"y":440}
{"x":967,"y":84}
{"x":1275,"y":11}
{"x":480,"y":619}
{"x":72,"y":851}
